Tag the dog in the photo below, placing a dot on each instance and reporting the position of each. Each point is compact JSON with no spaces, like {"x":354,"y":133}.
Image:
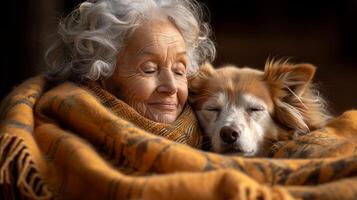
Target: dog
{"x":244,"y":111}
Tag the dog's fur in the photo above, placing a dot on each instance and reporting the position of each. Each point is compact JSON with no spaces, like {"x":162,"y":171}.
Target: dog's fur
{"x":244,"y":110}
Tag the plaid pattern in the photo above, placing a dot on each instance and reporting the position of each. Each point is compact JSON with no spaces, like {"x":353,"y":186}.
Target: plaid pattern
{"x":79,"y":142}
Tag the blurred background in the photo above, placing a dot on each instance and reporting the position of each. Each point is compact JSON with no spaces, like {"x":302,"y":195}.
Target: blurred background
{"x":246,"y":34}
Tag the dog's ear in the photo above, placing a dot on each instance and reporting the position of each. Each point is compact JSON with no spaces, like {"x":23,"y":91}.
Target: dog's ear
{"x":205,"y":71}
{"x":287,"y":77}
{"x":296,"y":103}
{"x":198,"y":81}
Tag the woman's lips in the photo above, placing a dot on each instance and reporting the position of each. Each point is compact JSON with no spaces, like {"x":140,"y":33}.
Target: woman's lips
{"x":167,"y":106}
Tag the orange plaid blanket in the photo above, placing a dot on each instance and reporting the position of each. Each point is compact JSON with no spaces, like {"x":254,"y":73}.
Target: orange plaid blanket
{"x":78,"y":142}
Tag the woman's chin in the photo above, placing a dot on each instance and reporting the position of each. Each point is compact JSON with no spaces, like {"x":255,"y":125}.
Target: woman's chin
{"x":163,"y":117}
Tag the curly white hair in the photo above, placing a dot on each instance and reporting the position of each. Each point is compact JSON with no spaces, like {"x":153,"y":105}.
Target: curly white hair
{"x":90,"y":38}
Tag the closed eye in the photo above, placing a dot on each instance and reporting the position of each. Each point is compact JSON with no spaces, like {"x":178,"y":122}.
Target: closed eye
{"x":179,"y":69}
{"x":150,"y":71}
{"x":180,"y":73}
{"x":213,"y":109}
{"x":256,"y":109}
{"x":149,"y":67}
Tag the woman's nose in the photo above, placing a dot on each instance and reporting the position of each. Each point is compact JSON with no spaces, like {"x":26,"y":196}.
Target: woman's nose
{"x":167,"y":82}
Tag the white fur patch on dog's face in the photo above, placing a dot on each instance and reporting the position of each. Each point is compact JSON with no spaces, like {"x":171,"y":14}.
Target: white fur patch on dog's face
{"x":247,"y":114}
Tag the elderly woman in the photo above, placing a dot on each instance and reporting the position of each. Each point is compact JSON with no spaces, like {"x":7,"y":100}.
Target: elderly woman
{"x":139,"y":51}
{"x":114,"y":64}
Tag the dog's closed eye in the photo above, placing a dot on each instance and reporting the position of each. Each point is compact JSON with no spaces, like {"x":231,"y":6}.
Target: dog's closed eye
{"x":213,"y":109}
{"x":256,"y":109}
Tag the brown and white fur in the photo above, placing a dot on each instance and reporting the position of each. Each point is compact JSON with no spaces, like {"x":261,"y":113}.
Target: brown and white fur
{"x":244,"y":111}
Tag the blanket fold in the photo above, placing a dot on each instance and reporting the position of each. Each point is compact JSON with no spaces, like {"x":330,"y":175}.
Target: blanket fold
{"x":80,"y":142}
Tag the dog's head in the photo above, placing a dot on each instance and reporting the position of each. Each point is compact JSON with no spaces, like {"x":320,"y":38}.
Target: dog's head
{"x":243,"y":110}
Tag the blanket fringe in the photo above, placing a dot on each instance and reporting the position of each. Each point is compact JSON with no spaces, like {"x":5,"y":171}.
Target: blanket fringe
{"x":15,"y":157}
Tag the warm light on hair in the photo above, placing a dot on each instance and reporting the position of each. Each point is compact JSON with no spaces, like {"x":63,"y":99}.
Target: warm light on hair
{"x":90,"y":38}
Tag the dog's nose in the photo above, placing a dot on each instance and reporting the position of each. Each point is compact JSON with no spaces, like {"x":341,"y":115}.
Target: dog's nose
{"x":229,"y":134}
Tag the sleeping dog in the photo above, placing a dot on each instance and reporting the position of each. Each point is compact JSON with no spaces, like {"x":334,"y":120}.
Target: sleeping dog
{"x":244,"y":111}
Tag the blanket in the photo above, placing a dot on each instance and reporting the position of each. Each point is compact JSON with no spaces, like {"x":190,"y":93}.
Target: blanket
{"x":74,"y":142}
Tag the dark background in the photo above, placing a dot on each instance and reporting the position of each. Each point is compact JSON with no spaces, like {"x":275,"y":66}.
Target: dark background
{"x":246,"y":34}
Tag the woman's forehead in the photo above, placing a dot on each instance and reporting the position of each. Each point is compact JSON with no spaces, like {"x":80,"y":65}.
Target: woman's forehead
{"x":152,"y":37}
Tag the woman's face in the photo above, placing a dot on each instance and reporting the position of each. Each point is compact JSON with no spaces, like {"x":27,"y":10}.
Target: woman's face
{"x":151,"y":72}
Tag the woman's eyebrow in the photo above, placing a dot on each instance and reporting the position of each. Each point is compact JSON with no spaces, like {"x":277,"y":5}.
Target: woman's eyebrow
{"x":147,"y":53}
{"x":154,"y":54}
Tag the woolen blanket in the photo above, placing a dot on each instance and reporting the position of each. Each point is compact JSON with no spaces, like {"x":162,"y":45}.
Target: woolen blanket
{"x":80,"y":142}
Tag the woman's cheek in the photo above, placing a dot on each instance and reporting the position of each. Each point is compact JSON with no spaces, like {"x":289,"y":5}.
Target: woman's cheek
{"x":182,"y":91}
{"x":140,"y":89}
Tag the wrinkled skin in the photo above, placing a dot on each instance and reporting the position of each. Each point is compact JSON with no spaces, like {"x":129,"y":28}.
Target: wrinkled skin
{"x":151,"y":71}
